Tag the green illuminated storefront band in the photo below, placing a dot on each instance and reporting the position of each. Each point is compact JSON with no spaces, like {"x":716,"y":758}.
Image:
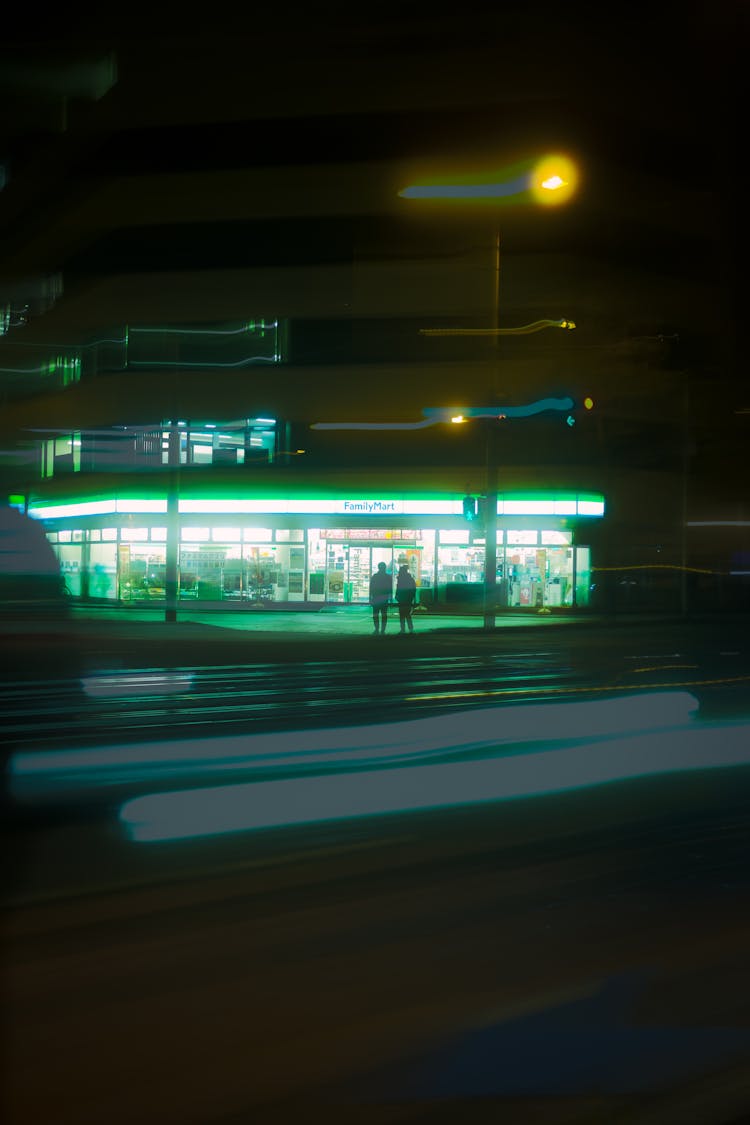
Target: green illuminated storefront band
{"x":527,"y":504}
{"x":268,"y":549}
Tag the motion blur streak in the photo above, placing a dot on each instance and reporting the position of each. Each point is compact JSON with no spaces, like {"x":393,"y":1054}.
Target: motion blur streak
{"x":438,"y":415}
{"x":36,"y":775}
{"x":469,"y":191}
{"x":587,"y":689}
{"x":117,"y":685}
{"x":210,"y":812}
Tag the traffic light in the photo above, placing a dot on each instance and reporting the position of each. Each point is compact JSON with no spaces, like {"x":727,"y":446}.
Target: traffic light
{"x":470,"y":508}
{"x":587,"y":403}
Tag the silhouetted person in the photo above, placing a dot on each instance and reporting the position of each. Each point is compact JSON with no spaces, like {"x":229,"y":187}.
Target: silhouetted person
{"x":381,"y":588}
{"x":406,"y":595}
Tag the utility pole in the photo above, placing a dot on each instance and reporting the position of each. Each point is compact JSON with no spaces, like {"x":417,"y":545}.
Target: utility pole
{"x":490,"y":529}
{"x":173,"y":525}
{"x":490,"y":512}
{"x":685,"y":473}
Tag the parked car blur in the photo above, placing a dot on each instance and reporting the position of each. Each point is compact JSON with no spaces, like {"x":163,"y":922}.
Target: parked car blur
{"x":31,"y":585}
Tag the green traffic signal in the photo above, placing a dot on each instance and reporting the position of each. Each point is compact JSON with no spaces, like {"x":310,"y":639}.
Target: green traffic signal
{"x":470,"y":508}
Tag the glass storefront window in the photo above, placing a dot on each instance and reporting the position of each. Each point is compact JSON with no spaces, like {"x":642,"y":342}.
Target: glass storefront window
{"x":229,"y":570}
{"x":265,"y":572}
{"x":69,"y":557}
{"x":583,"y":575}
{"x":103,"y":570}
{"x":259,"y":564}
{"x":535,"y":577}
{"x":523,"y":575}
{"x":316,"y":566}
{"x":296,"y":571}
{"x":558,"y":590}
{"x":201,"y":568}
{"x":142,"y":571}
{"x":460,"y":564}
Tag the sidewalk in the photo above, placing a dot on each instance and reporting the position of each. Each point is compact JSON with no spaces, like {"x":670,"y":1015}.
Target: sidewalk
{"x":332,"y":621}
{"x":289,"y":626}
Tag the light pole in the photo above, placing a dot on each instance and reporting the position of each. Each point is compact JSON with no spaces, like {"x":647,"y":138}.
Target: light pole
{"x":171,"y":583}
{"x":436,"y":415}
{"x":552,"y":181}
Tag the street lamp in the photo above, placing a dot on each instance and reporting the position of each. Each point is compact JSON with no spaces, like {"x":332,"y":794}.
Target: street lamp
{"x":549,"y":181}
{"x":435,"y":415}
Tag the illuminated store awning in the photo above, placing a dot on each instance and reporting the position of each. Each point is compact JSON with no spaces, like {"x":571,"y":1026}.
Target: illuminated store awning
{"x":556,"y":504}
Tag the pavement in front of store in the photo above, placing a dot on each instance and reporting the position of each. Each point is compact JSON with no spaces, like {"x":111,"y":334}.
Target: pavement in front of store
{"x":330,"y":621}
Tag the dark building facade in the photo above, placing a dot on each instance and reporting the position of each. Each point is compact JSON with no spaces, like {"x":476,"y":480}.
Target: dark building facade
{"x":217,"y":307}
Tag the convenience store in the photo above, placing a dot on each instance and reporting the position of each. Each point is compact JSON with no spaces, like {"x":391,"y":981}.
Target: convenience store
{"x":311,"y":549}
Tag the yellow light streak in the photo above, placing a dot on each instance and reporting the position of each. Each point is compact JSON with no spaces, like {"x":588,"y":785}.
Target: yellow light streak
{"x":661,"y":667}
{"x":521,"y":330}
{"x":658,"y":566}
{"x":575,"y":690}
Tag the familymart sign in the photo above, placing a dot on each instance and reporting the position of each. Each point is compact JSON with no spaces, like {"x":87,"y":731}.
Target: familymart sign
{"x":566,"y":504}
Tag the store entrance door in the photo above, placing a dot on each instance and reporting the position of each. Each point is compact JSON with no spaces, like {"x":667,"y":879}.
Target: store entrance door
{"x":363,"y":562}
{"x":358,"y":584}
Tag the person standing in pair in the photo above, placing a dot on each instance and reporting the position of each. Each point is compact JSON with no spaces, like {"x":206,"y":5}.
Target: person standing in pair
{"x":381,"y":589}
{"x":406,"y":595}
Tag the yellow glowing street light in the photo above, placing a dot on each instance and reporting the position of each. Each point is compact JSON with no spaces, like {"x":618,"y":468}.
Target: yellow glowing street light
{"x":549,"y":180}
{"x":554,"y":180}
{"x":522,"y":330}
